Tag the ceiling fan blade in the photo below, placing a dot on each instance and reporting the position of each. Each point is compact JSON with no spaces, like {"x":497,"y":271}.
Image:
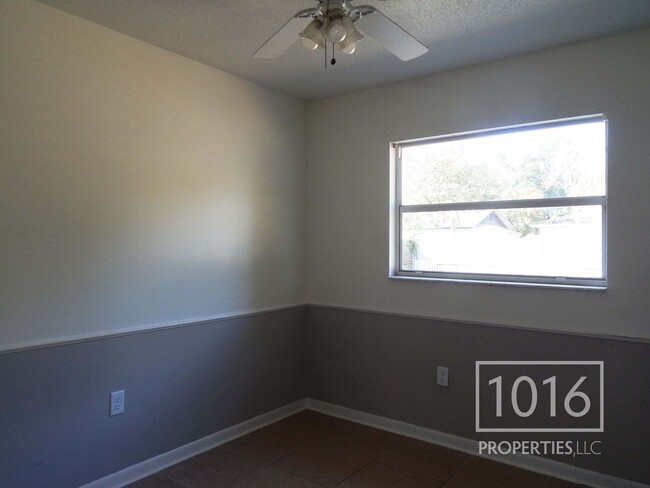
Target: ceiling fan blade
{"x":282,"y":39}
{"x":390,"y":35}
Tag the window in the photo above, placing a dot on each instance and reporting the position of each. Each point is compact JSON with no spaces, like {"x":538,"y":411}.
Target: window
{"x":519,"y":205}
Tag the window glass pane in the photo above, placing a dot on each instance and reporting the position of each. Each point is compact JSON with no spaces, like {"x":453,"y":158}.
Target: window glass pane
{"x":546,"y":242}
{"x":546,"y":162}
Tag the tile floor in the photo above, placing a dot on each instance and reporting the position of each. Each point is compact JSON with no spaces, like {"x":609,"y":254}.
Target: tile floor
{"x":310,"y":450}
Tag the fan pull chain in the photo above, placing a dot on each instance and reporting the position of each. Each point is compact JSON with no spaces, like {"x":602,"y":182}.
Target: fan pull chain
{"x":327,"y":12}
{"x":333,"y":60}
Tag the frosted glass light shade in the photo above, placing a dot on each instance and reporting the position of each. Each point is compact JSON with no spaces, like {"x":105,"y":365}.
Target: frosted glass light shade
{"x":336,"y":31}
{"x":314,"y":33}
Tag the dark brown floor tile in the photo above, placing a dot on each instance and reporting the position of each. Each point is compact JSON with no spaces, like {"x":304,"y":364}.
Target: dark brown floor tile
{"x":512,"y":477}
{"x":310,"y":449}
{"x":424,"y":459}
{"x":323,"y":464}
{"x":270,"y":443}
{"x":452,"y":455}
{"x":362,"y":439}
{"x":556,"y":483}
{"x":479,"y":472}
{"x":378,"y":475}
{"x":213,"y":469}
{"x":473,"y":479}
{"x":155,"y":481}
{"x":310,"y":424}
{"x":271,"y":477}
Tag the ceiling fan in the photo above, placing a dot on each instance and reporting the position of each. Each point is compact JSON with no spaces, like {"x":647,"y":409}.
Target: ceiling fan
{"x":342,"y":24}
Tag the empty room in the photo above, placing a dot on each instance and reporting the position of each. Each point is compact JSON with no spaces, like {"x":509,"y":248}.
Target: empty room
{"x":324,"y":243}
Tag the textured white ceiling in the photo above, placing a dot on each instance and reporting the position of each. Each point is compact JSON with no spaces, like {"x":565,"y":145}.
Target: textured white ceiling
{"x":225,"y":33}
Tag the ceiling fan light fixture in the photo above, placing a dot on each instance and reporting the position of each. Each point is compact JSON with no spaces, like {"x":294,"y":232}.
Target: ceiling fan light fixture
{"x":350,"y":48}
{"x":352,"y":37}
{"x":309,"y":44}
{"x":336,"y":31}
{"x":349,"y":45}
{"x":336,"y":21}
{"x":312,"y":36}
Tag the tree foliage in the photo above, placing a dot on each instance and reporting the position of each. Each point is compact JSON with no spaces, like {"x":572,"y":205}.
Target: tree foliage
{"x":458,"y":171}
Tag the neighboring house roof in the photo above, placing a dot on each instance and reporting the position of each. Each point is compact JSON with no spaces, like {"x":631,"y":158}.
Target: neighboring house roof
{"x":496,"y":217}
{"x":481,"y":218}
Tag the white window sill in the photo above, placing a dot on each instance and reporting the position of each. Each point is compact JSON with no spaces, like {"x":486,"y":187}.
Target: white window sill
{"x":500,"y":283}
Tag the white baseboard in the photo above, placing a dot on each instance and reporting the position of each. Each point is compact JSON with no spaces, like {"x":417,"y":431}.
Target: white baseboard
{"x":533,"y":463}
{"x":155,"y":464}
{"x":541,"y":465}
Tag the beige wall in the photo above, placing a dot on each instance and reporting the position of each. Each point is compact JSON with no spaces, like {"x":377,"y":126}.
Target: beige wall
{"x":348,"y":184}
{"x":137,"y":187}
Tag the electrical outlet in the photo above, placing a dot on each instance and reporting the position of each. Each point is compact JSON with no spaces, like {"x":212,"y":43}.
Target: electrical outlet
{"x":443,"y":376}
{"x":117,"y":402}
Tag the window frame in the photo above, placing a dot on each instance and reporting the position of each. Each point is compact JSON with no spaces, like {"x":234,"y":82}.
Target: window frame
{"x":398,"y":210}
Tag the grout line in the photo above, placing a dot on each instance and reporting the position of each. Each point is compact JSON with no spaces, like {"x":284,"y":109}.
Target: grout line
{"x":465,"y":460}
{"x":355,"y":472}
{"x":159,"y":473}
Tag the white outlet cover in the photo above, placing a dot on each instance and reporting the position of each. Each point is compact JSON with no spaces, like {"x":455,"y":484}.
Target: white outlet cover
{"x":117,"y":403}
{"x":443,"y":376}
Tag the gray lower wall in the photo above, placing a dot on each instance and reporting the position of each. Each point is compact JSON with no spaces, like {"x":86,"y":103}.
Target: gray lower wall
{"x":188,"y":382}
{"x":181,"y":384}
{"x":386,"y":365}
